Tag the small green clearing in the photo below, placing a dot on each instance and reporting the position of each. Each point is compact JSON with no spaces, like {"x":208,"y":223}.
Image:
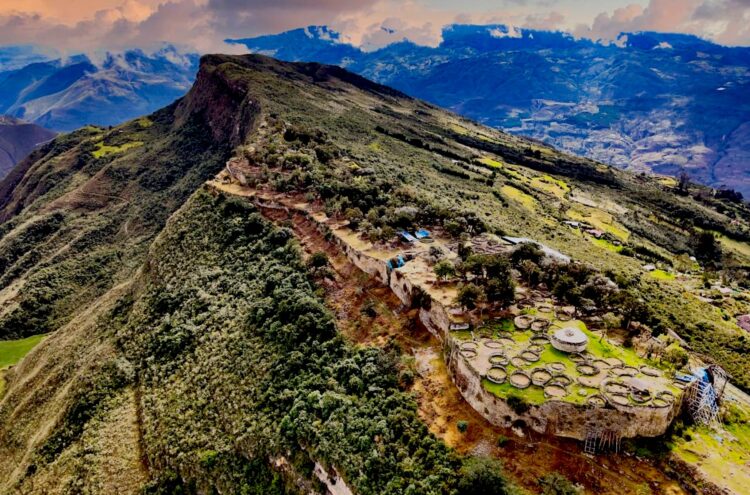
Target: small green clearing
{"x":662,"y":275}
{"x":12,"y":351}
{"x":104,"y":150}
{"x":491,"y":163}
{"x":605,"y":244}
{"x":722,"y":455}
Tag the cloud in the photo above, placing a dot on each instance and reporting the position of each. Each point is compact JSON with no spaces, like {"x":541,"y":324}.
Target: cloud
{"x":724,"y":21}
{"x":201,"y":25}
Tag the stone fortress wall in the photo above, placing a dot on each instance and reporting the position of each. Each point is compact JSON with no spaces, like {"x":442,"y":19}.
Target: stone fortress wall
{"x":555,"y":417}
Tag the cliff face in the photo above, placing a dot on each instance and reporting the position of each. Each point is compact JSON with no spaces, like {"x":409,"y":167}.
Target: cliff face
{"x":79,"y":213}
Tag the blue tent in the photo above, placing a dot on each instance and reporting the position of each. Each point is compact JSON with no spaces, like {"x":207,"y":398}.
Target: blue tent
{"x":408,"y":236}
{"x":421,"y":234}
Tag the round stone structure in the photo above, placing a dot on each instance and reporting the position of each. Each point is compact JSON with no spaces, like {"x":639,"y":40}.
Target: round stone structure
{"x":569,"y":339}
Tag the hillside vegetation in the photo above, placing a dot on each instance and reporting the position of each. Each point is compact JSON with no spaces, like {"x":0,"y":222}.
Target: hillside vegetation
{"x":190,"y":350}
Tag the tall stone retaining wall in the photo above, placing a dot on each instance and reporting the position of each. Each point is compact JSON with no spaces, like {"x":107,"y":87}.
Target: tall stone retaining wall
{"x":555,"y":417}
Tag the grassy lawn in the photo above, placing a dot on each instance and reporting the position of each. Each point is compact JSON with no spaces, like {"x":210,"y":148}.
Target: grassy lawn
{"x":599,"y":219}
{"x":492,"y":163}
{"x":12,"y":351}
{"x":525,"y":200}
{"x":605,"y":244}
{"x":104,"y":150}
{"x":722,"y":456}
{"x":662,"y":275}
{"x":551,"y":185}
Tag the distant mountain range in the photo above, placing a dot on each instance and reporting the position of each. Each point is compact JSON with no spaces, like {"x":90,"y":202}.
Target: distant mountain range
{"x":65,"y":94}
{"x":649,"y":102}
{"x":18,"y":139}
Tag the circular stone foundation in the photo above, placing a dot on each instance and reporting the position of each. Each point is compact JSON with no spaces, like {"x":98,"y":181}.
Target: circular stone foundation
{"x":506,"y":341}
{"x":569,"y":339}
{"x":520,"y":379}
{"x":540,"y":376}
{"x":601,"y":364}
{"x":499,"y":359}
{"x":518,"y":362}
{"x":564,"y":316}
{"x":523,"y":321}
{"x":649,"y":371}
{"x":540,"y":325}
{"x":613,"y":362}
{"x":535,"y":348}
{"x":562,"y":380}
{"x":555,"y":391}
{"x":469,"y":346}
{"x":529,"y":356}
{"x":618,"y":399}
{"x":587,"y":369}
{"x":616,"y":388}
{"x":589,"y":381}
{"x":497,"y":374}
{"x":545,"y":308}
{"x":469,"y":353}
{"x":596,"y":401}
{"x":493,"y":344}
{"x":577,"y":358}
{"x":624,"y":371}
{"x":556,"y":367}
{"x":539,"y":339}
{"x":640,"y":396}
{"x":657,"y":402}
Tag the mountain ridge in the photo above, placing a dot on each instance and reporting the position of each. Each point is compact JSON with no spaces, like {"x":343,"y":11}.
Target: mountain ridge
{"x":640,"y":103}
{"x":191,"y":328}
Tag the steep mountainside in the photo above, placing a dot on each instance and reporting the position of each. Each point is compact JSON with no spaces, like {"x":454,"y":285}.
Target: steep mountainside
{"x":191,"y":348}
{"x":17,"y":139}
{"x":661,"y":102}
{"x":65,"y":95}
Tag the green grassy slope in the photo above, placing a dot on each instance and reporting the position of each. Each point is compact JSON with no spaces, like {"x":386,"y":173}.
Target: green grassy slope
{"x":196,"y":349}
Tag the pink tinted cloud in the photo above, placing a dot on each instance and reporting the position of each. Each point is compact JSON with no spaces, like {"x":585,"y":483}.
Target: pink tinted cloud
{"x":202,"y":24}
{"x":725,"y":21}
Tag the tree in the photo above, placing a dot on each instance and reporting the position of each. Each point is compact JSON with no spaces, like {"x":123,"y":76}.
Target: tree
{"x":631,"y":306}
{"x":501,"y":291}
{"x":557,"y":484}
{"x":611,"y":321}
{"x":444,"y":270}
{"x":469,"y":295}
{"x":355,"y":216}
{"x":530,"y":272}
{"x":526,"y":251}
{"x":706,"y":248}
{"x":317,"y":260}
{"x":683,"y":185}
{"x":676,"y":355}
{"x":482,"y":476}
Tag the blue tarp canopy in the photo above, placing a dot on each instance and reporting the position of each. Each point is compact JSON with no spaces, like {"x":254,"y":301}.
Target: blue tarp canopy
{"x":421,"y":234}
{"x":684,"y":378}
{"x":407,"y":236}
{"x":400,"y":260}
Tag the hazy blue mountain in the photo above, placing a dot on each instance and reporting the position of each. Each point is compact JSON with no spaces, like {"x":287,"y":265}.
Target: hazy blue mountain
{"x":68,"y":94}
{"x":651,"y":101}
{"x":16,"y":56}
{"x":18,"y":139}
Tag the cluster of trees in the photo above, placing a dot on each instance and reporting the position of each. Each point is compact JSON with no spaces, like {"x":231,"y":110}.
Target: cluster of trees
{"x":485,"y":278}
{"x":372,"y":205}
{"x":238,"y":361}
